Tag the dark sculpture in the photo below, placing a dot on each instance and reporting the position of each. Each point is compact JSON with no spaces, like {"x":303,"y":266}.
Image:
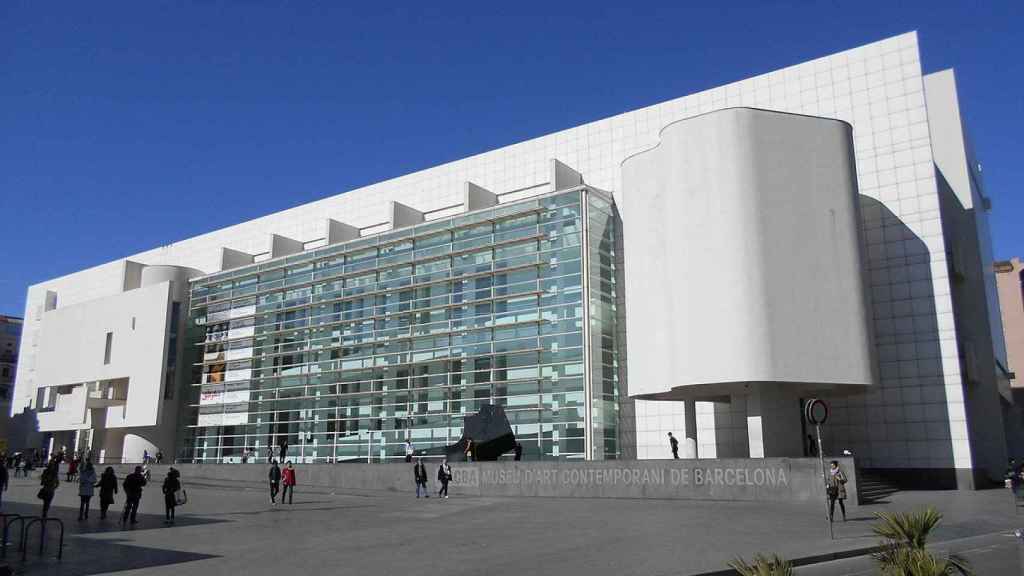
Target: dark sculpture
{"x":487,"y":434}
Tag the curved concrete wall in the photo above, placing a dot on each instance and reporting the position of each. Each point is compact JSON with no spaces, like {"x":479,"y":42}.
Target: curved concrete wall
{"x":743,"y":257}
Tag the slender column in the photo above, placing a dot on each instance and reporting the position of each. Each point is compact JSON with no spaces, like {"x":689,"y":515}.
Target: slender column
{"x":690,"y":433}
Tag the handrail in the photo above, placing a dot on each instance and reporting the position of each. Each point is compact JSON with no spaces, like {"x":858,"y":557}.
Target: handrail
{"x":9,"y":519}
{"x":43,"y":521}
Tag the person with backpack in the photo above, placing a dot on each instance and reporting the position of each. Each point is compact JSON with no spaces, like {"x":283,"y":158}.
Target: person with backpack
{"x":275,"y":481}
{"x":132,"y":485}
{"x":49,"y":480}
{"x":171,"y":489}
{"x":86,"y":485}
{"x":288,"y":475}
{"x":419,"y":473}
{"x":108,"y":487}
{"x":444,"y":476}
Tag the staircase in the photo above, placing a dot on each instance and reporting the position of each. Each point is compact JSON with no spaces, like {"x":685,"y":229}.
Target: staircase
{"x":872,"y":488}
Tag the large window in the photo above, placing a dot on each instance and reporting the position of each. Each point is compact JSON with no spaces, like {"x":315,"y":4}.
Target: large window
{"x":352,"y":348}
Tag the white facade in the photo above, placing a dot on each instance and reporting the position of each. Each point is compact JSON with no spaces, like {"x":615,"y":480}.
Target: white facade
{"x":916,"y":416}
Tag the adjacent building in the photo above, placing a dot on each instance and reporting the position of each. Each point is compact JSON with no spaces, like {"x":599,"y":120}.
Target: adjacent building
{"x":1010,"y":281}
{"x":701,"y":266}
{"x":10,"y":339}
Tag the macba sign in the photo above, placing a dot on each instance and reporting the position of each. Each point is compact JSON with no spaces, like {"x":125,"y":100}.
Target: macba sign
{"x":768,"y":476}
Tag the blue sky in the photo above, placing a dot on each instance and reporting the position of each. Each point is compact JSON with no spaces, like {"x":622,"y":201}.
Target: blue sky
{"x":124,"y":126}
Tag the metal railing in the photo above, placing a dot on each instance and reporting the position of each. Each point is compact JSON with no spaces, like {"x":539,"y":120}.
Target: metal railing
{"x":42,"y":521}
{"x":9,"y":519}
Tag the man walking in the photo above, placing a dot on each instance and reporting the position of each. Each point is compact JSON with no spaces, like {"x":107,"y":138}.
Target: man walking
{"x":283,"y":456}
{"x":675,"y":445}
{"x":444,"y":476}
{"x":409,"y":450}
{"x":275,"y":481}
{"x":419,"y":473}
{"x":132,"y":485}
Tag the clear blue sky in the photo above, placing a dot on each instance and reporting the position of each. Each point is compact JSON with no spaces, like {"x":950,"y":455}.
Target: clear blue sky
{"x":124,"y":126}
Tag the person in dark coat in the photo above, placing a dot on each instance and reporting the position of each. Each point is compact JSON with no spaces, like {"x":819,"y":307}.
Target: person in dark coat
{"x":132,"y":485}
{"x":49,"y":480}
{"x":108,"y":487}
{"x":283,"y":455}
{"x":674,"y":443}
{"x":444,"y":476}
{"x":172,"y":484}
{"x":419,"y":473}
{"x":275,"y":481}
{"x":288,"y":475}
{"x":3,"y":481}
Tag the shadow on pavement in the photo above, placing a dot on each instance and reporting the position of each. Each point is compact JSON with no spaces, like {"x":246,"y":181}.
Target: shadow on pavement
{"x":83,"y":556}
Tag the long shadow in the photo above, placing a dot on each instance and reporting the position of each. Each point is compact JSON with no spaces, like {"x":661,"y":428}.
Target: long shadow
{"x":900,"y":429}
{"x":83,"y":556}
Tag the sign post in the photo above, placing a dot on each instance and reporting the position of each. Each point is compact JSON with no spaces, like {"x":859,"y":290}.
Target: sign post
{"x":816,"y":412}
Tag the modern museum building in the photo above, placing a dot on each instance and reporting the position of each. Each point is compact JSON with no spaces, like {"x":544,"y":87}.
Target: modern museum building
{"x":700,"y":266}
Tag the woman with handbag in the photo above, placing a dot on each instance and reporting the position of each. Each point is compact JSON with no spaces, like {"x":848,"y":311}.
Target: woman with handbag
{"x":49,"y":480}
{"x":172,"y":492}
{"x":836,"y":489}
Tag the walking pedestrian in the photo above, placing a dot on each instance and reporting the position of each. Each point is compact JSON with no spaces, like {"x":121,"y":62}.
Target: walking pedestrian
{"x":49,"y":480}
{"x":289,"y":482}
{"x":836,"y":489}
{"x":132,"y":485}
{"x":409,"y":450}
{"x":444,"y":476}
{"x":674,"y":443}
{"x":171,"y":487}
{"x":3,"y":482}
{"x":419,"y":473}
{"x":86,"y":484}
{"x":275,"y":481}
{"x":283,"y":456}
{"x":72,"y":469}
{"x":145,"y":456}
{"x":159,"y":457}
{"x":108,"y":487}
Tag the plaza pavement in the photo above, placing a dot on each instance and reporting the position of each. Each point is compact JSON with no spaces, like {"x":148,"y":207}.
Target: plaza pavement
{"x":232,"y":529}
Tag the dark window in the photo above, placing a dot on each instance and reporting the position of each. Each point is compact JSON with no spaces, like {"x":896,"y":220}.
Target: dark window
{"x":107,"y":349}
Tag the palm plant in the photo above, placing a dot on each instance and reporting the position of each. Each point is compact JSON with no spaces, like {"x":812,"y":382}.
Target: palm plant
{"x":903,"y":550}
{"x":763,"y":566}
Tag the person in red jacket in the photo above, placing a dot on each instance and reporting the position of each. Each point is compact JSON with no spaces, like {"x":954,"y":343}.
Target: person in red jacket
{"x":288,"y":481}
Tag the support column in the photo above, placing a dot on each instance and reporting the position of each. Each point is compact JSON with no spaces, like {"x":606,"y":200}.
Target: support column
{"x":690,"y":432}
{"x":773,"y":422}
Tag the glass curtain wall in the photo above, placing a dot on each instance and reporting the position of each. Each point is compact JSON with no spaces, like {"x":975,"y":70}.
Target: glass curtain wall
{"x":345,"y":351}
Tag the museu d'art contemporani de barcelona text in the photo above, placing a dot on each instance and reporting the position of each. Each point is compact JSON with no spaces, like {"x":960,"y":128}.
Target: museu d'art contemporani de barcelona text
{"x":702,"y":266}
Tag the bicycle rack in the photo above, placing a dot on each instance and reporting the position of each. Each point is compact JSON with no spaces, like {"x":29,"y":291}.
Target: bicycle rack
{"x":9,"y":519}
{"x":42,"y":536}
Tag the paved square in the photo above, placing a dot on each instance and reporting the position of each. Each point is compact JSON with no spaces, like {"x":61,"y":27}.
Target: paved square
{"x":232,"y":529}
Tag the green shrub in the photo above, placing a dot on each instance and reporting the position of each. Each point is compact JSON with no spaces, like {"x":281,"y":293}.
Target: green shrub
{"x":903,"y":550}
{"x":763,"y":566}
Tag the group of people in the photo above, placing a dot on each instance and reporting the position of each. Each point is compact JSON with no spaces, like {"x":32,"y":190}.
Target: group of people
{"x":444,"y":476}
{"x":147,"y":458}
{"x":107,"y":482}
{"x":279,"y":477}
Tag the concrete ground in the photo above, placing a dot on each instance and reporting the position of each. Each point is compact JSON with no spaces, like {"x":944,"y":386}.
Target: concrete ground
{"x":232,"y":529}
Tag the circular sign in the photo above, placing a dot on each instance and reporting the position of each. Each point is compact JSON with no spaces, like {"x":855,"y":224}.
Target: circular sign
{"x":816,"y":411}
